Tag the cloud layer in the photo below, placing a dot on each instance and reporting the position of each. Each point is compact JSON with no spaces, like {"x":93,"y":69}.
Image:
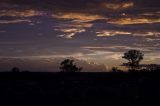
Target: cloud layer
{"x":85,"y":29}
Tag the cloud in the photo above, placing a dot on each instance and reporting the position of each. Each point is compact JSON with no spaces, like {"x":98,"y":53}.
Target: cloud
{"x":152,"y":57}
{"x":80,"y":17}
{"x":118,"y":6}
{"x":112,"y":33}
{"x":76,"y":24}
{"x":132,"y":21}
{"x":69,"y":33}
{"x":15,"y":21}
{"x":115,"y":57}
{"x":147,"y":34}
{"x":107,"y":33}
{"x":22,"y":13}
{"x":119,"y":48}
{"x":2,"y":31}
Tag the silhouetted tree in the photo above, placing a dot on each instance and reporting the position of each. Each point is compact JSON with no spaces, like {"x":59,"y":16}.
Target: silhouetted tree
{"x":134,"y":57}
{"x":68,"y":65}
{"x":15,"y":69}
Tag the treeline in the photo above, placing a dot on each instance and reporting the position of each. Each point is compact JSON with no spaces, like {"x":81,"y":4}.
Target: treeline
{"x":134,"y":57}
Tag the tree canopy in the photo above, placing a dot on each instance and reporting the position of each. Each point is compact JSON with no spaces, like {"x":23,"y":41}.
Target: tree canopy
{"x":134,"y":57}
{"x":68,"y":65}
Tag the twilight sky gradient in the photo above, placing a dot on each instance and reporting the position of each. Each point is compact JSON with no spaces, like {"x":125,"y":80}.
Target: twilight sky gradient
{"x":37,"y":34}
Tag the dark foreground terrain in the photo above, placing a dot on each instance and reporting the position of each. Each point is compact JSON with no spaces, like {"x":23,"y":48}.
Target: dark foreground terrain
{"x":52,"y":89}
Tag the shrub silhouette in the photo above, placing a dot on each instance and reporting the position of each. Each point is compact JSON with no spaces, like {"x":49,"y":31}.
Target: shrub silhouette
{"x":68,"y":65}
{"x":115,"y":70}
{"x":134,"y":57}
{"x":15,"y":69}
{"x":153,"y":68}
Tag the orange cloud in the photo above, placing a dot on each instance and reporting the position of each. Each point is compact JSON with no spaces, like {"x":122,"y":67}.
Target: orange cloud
{"x":15,"y":13}
{"x":80,"y":17}
{"x":118,"y":6}
{"x":76,"y":25}
{"x":127,"y":21}
{"x":112,"y":33}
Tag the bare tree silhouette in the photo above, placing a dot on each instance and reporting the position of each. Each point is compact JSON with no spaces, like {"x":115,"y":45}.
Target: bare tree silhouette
{"x":134,"y":57}
{"x":68,"y":65}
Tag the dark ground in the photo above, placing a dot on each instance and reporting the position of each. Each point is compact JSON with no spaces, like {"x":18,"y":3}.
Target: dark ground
{"x":52,"y":89}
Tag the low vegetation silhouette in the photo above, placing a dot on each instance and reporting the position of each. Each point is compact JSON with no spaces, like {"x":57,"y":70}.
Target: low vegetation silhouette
{"x":134,"y":57}
{"x":68,"y":65}
{"x":153,"y":68}
{"x":115,"y":70}
{"x":15,"y":69}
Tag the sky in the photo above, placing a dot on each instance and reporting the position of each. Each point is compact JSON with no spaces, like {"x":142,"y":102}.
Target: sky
{"x":37,"y":34}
